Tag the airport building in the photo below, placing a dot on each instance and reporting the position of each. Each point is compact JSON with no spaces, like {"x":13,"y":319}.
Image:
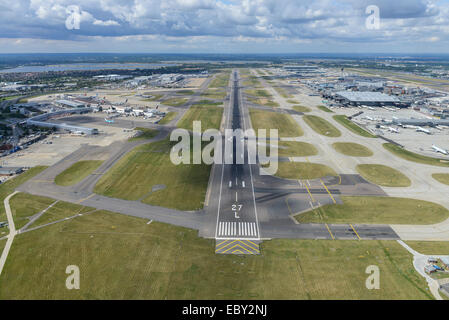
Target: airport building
{"x":356,"y":98}
{"x":41,"y":121}
{"x":422,"y":122}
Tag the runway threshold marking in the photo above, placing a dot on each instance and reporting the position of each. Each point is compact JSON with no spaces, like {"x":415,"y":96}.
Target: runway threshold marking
{"x":355,"y":232}
{"x":330,"y":232}
{"x":330,"y":194}
{"x":236,"y":246}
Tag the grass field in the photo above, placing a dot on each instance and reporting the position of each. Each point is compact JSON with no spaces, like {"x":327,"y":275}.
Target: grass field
{"x":214,"y":94}
{"x":325,"y":109}
{"x":77,"y":172}
{"x":321,"y":126}
{"x":9,"y":186}
{"x":186,"y":92}
{"x":145,"y":134}
{"x":133,"y":177}
{"x":414,"y":157}
{"x":251,"y":81}
{"x":155,"y":97}
{"x":122,"y":257}
{"x":301,"y":109}
{"x":61,"y":210}
{"x":260,"y":93}
{"x":303,"y":170}
{"x":284,"y":123}
{"x":430,"y":247}
{"x":175,"y":102}
{"x":383,"y":175}
{"x":352,"y":149}
{"x":282,"y":92}
{"x":343,"y":120}
{"x":221,"y":80}
{"x":264,"y":102}
{"x":377,"y":210}
{"x":441,"y":177}
{"x":210,"y":117}
{"x":25,"y":205}
{"x":296,"y":149}
{"x":293,"y":101}
{"x":168,"y":117}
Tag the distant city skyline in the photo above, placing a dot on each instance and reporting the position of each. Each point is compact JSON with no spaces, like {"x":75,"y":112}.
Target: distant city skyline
{"x":207,"y":26}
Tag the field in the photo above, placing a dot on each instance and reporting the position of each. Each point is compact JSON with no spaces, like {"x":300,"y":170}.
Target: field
{"x":282,"y":92}
{"x":441,"y":177}
{"x":175,"y":102}
{"x":321,"y":126}
{"x":214,"y":94}
{"x":377,"y":210}
{"x":156,"y":97}
{"x":147,"y":166}
{"x":284,"y":123}
{"x":430,"y":247}
{"x":323,"y":108}
{"x":145,"y":134}
{"x":301,"y":109}
{"x":210,"y":117}
{"x":221,"y":80}
{"x":293,"y":101}
{"x":260,"y":93}
{"x":122,"y":257}
{"x":186,"y":92}
{"x":25,"y":205}
{"x":8,"y":187}
{"x":411,"y":156}
{"x":264,"y":102}
{"x":77,"y":172}
{"x":303,"y":170}
{"x":352,"y":149}
{"x":251,"y":82}
{"x":296,"y":149}
{"x":168,"y":117}
{"x":343,"y":120}
{"x":383,"y":175}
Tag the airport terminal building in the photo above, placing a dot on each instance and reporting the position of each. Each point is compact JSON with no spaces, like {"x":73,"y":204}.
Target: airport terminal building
{"x":376,"y":99}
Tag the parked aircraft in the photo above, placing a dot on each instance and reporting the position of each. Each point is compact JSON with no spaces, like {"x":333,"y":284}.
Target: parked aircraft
{"x":423,"y":130}
{"x":439,"y":150}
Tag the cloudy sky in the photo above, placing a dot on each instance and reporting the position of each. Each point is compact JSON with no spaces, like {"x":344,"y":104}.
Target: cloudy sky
{"x":223,"y":26}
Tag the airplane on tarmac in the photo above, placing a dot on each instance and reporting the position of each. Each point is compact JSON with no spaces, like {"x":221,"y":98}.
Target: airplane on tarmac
{"x":439,"y":150}
{"x":423,"y":130}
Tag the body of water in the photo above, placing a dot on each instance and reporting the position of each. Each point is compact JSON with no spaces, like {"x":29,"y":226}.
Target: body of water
{"x":87,"y":66}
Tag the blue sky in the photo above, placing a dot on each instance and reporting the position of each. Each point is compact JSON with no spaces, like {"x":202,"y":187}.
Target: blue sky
{"x":231,"y":26}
